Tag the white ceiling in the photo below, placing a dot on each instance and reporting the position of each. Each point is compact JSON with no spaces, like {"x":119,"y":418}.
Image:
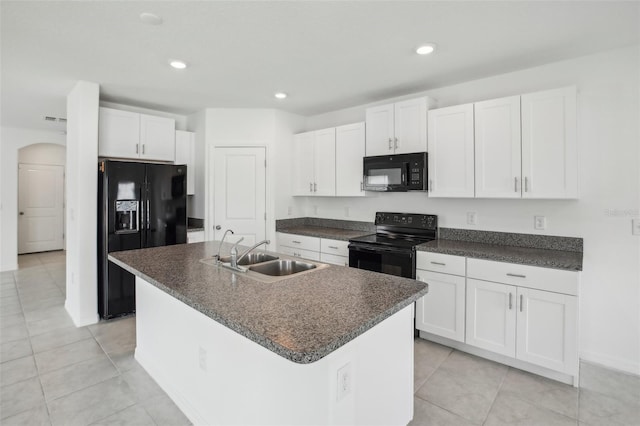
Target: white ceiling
{"x":325,"y":55}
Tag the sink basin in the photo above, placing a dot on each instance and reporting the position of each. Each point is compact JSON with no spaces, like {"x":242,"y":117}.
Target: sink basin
{"x":251,"y":259}
{"x":282,"y":267}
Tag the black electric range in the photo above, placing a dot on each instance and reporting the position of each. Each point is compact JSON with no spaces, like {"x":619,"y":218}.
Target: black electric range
{"x":392,"y":249}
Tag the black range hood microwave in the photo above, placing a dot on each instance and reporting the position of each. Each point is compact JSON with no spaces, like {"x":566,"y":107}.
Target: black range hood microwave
{"x":395,"y":173}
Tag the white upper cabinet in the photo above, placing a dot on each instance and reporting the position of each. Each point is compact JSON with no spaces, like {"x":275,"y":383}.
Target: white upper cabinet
{"x":303,"y":162}
{"x":124,"y":134}
{"x":398,"y":128}
{"x":157,"y":138}
{"x":315,"y":163}
{"x":325,"y":162}
{"x":497,"y":148}
{"x":118,"y":133}
{"x":380,"y":133}
{"x":185,"y":154}
{"x":549,"y":148}
{"x":350,"y":149}
{"x":451,"y":152}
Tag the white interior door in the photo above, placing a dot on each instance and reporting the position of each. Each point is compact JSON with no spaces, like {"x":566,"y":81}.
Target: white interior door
{"x":40,"y":204}
{"x":240,"y":193}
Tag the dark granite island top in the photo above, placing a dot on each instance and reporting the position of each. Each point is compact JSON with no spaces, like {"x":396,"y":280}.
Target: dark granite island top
{"x":301,"y":318}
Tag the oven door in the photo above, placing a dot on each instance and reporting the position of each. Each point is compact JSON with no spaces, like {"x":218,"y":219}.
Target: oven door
{"x":387,"y":260}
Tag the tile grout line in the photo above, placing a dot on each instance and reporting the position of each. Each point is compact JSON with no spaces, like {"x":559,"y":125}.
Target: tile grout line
{"x":496,"y":396}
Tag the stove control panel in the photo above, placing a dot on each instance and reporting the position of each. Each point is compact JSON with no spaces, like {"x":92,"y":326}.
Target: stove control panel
{"x":407,"y":220}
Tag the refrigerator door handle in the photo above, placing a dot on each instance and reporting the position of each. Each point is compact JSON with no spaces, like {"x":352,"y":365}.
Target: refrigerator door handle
{"x":148,"y":219}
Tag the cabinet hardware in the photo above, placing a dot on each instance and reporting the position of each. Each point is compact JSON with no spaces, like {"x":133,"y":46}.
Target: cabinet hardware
{"x":510,"y":301}
{"x":310,"y":187}
{"x":136,"y":148}
{"x":390,"y":146}
{"x":315,"y":187}
{"x":526,"y":184}
{"x":295,"y":242}
{"x":516,"y":275}
{"x":143,"y":148}
{"x":333,"y":247}
{"x":520,"y":303}
{"x":361,"y":186}
{"x":515,"y":184}
{"x":430,"y":185}
{"x":439,"y":263}
{"x":395,"y":143}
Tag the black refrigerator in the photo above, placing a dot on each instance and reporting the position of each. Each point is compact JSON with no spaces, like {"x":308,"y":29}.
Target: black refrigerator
{"x":139,"y":205}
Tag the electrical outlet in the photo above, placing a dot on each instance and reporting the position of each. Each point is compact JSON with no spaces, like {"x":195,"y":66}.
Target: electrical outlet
{"x":344,"y":381}
{"x":472,"y":218}
{"x":202,"y":356}
{"x":346,"y":212}
{"x":635,"y":224}
{"x":540,"y":222}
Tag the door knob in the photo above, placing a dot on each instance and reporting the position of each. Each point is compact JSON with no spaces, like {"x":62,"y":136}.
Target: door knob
{"x":218,"y":227}
{"x":21,"y":213}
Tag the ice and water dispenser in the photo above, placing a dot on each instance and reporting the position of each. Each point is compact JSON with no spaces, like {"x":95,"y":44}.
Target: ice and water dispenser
{"x":127,"y":216}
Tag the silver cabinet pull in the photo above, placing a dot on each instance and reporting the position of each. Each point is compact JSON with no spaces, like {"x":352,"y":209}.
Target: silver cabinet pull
{"x":395,"y":143}
{"x":136,"y":148}
{"x":439,"y":263}
{"x":295,"y":242}
{"x":510,"y":301}
{"x":143,"y":148}
{"x":361,"y":186}
{"x":315,"y":187}
{"x":520,"y":303}
{"x":310,"y":187}
{"x":526,"y":184}
{"x":390,"y":146}
{"x":516,"y":275}
{"x":430,"y":185}
{"x":333,"y":247}
{"x":515,"y":184}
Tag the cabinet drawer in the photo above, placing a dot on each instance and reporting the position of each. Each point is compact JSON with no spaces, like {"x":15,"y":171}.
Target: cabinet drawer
{"x":334,"y":259}
{"x":299,"y":241}
{"x":337,"y":247}
{"x":438,"y":262}
{"x":305,"y":254}
{"x":555,"y":280}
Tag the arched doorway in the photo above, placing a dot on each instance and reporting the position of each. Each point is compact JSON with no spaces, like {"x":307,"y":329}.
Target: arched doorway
{"x":41,"y":198}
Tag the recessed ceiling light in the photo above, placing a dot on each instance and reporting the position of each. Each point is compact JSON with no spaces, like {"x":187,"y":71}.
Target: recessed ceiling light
{"x":280,"y":95}
{"x":150,"y":18}
{"x":426,"y":49}
{"x":179,"y":65}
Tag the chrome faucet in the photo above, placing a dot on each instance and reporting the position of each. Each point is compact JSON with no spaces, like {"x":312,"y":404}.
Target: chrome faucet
{"x":246,"y":252}
{"x":222,"y":241}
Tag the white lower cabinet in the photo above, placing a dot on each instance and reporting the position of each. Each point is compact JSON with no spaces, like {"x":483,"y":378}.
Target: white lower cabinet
{"x":195,"y":237}
{"x":441,"y":311}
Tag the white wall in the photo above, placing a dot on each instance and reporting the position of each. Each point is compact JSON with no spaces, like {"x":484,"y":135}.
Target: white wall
{"x":254,"y":127}
{"x":12,"y":140}
{"x":43,"y":153}
{"x":196,"y":202}
{"x":82,"y":207}
{"x":609,"y":163}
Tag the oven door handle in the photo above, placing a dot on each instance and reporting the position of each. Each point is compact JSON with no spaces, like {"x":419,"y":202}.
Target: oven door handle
{"x":379,"y":249}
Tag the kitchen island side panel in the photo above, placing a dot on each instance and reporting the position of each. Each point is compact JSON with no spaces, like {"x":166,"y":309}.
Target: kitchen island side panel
{"x":217,"y":376}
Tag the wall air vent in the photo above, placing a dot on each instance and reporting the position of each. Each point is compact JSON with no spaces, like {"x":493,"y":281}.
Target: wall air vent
{"x":62,"y":120}
{"x":48,"y":118}
{"x":52,"y":119}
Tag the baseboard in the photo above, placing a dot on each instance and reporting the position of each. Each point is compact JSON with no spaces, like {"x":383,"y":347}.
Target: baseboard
{"x":611,"y":362}
{"x":169,"y":387}
{"x":82,"y":321}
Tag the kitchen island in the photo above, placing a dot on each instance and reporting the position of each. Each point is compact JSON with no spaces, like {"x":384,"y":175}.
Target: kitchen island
{"x":333,"y":345}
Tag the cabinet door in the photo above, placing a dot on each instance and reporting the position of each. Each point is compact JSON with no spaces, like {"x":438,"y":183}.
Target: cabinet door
{"x":451,"y":152}
{"x":497,"y":147}
{"x":547,"y":330}
{"x":118,"y":134}
{"x":157,"y":138}
{"x":410,"y":125}
{"x":185,"y":154}
{"x":303,"y":159}
{"x":379,"y":129}
{"x":491,"y":316}
{"x":325,"y":162}
{"x":549,"y":152}
{"x":350,"y":149}
{"x":441,"y":311}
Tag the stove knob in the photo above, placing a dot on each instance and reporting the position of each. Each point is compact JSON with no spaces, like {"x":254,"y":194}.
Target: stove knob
{"x":379,"y":218}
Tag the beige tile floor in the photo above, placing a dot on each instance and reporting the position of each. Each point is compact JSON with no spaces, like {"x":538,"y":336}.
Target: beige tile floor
{"x":54,"y":373}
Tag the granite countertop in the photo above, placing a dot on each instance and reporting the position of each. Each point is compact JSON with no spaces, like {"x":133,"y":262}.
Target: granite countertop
{"x":301,"y":318}
{"x":325,"y":232}
{"x":557,"y":259}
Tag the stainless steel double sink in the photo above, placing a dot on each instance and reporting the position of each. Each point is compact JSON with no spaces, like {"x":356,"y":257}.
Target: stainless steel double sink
{"x":268,"y":268}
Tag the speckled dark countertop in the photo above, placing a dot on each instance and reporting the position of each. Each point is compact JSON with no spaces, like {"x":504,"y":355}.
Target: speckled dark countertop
{"x":301,"y":318}
{"x":557,"y":259}
{"x":323,"y":232}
